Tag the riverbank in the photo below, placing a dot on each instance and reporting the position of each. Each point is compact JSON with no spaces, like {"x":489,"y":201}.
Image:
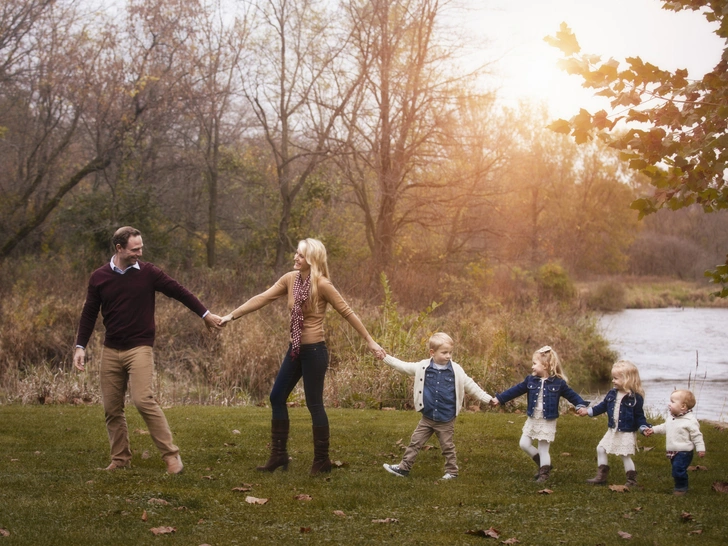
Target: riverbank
{"x":627,"y":292}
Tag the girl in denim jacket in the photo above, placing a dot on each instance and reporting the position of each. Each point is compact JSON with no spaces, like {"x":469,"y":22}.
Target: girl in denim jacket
{"x":624,"y":407}
{"x":545,"y":386}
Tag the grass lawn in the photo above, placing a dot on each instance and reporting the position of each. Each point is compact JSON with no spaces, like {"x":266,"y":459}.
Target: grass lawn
{"x":52,"y":493}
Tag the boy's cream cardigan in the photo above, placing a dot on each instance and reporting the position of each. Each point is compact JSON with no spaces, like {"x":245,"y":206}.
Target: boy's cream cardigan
{"x":463,"y":383}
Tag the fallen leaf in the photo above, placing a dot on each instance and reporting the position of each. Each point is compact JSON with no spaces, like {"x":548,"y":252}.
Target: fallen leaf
{"x":510,"y":541}
{"x":161,"y":502}
{"x":145,"y":454}
{"x":4,"y":532}
{"x":686,"y":516}
{"x":236,"y":431}
{"x":303,"y":497}
{"x":490,"y":533}
{"x":255,"y":500}
{"x":697,"y":467}
{"x":141,"y":431}
{"x":339,"y":513}
{"x":339,"y":464}
{"x":625,"y":536}
{"x":89,"y":482}
{"x":305,"y":529}
{"x":565,"y":454}
{"x":207,"y":478}
{"x":145,"y":517}
{"x":231,"y":444}
{"x":720,"y":487}
{"x":648,"y":448}
{"x":386,"y":520}
{"x":627,"y":516}
{"x":696,"y":532}
{"x":545,"y":492}
{"x":242,"y":489}
{"x":619,"y":488}
{"x":637,"y":509}
{"x":181,"y":508}
{"x":163,"y":530}
{"x":37,"y":452}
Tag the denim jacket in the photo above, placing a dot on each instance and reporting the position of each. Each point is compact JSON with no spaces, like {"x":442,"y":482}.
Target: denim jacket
{"x":554,"y":388}
{"x":631,"y":414}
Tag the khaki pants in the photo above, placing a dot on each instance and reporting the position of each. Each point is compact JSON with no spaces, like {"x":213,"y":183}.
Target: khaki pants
{"x":133,"y":368}
{"x":425,"y":429}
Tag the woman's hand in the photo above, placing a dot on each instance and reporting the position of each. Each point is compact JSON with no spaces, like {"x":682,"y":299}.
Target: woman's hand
{"x":376,"y":349}
{"x":224,"y":320}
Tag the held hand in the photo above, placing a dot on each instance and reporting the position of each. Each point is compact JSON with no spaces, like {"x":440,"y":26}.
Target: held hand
{"x":212,"y":321}
{"x":79,"y":356}
{"x":701,"y":454}
{"x":224,"y":320}
{"x":582,"y":412}
{"x":648,"y":432}
{"x":494,"y":402}
{"x":374,"y":347}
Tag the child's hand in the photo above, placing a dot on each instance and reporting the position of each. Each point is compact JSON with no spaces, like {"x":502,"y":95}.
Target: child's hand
{"x":648,"y":431}
{"x":701,"y":454}
{"x":494,"y":402}
{"x":582,"y":412}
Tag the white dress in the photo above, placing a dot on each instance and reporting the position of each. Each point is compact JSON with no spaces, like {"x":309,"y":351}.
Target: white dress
{"x":615,"y":442}
{"x":536,"y":427}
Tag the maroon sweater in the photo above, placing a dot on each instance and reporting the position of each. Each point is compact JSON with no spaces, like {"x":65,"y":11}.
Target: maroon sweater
{"x":127,"y":304}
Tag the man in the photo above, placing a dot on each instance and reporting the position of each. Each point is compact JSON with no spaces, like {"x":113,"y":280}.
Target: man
{"x":124,"y":291}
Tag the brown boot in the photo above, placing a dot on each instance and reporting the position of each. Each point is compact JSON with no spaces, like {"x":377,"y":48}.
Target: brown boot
{"x":631,"y":478}
{"x":278,"y":453}
{"x":321,"y":461}
{"x":601,"y":477}
{"x":543,"y":473}
{"x":537,"y":459}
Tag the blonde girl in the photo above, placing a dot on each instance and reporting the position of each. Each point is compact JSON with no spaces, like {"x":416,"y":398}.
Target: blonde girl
{"x":308,"y":290}
{"x":624,"y":407}
{"x":545,"y":387}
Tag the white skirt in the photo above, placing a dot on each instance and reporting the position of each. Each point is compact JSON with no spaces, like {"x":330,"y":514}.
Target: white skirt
{"x":540,"y":429}
{"x":618,"y":443}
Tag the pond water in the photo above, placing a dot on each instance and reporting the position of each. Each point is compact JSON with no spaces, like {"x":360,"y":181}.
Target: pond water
{"x":675,"y":348}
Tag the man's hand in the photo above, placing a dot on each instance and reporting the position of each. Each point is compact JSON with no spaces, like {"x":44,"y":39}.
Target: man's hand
{"x":212,"y":321}
{"x":79,"y":358}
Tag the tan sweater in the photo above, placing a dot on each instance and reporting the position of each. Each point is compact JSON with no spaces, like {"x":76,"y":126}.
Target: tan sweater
{"x":313,"y":319}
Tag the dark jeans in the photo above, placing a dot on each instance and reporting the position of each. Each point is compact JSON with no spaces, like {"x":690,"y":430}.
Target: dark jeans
{"x":311,"y":364}
{"x":680,"y":463}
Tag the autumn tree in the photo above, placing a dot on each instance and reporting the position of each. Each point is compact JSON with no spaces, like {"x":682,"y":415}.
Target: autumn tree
{"x":398,"y":120}
{"x":669,"y":127}
{"x":297,"y":86}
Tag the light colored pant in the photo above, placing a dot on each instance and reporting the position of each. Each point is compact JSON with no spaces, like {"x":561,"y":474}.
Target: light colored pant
{"x":133,"y":368}
{"x":424,"y":431}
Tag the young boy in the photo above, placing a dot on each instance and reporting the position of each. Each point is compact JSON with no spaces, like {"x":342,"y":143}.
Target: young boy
{"x":683,"y":435}
{"x":439,"y":390}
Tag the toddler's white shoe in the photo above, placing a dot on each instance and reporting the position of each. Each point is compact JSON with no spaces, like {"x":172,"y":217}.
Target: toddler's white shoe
{"x":449,"y":476}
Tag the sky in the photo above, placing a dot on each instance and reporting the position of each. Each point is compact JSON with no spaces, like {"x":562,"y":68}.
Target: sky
{"x":526,"y":66}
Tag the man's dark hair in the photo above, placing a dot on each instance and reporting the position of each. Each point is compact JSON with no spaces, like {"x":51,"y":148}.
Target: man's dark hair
{"x":121,"y":236}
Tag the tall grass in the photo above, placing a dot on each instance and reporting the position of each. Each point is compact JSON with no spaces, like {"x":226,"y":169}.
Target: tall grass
{"x":494,"y":339}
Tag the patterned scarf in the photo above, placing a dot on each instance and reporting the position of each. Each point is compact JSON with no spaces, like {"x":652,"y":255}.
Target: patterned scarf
{"x":301,"y":289}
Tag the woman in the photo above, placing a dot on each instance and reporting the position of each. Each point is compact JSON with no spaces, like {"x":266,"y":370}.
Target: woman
{"x":309,"y":290}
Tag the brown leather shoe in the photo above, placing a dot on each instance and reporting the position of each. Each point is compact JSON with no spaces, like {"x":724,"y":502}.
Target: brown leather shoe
{"x":116,"y":466}
{"x":174,"y":464}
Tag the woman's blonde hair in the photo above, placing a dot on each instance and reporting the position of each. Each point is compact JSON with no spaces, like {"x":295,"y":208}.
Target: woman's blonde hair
{"x":550,"y":360}
{"x":314,"y":252}
{"x":632,"y":381}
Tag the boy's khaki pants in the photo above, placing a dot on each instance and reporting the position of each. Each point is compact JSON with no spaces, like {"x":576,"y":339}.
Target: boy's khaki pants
{"x":133,"y":368}
{"x":425,"y":429}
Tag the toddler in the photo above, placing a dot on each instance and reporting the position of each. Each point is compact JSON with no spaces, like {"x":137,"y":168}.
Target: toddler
{"x":624,"y":407}
{"x":683,"y":435}
{"x":545,"y":386}
{"x":440,"y":387}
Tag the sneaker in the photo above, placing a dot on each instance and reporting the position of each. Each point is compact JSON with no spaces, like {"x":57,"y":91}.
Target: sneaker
{"x":449,"y":476}
{"x":116,"y":466}
{"x":396,"y":470}
{"x":174,"y":464}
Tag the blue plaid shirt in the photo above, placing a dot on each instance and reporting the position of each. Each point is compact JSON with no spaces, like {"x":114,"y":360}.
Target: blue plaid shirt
{"x":439,"y":394}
